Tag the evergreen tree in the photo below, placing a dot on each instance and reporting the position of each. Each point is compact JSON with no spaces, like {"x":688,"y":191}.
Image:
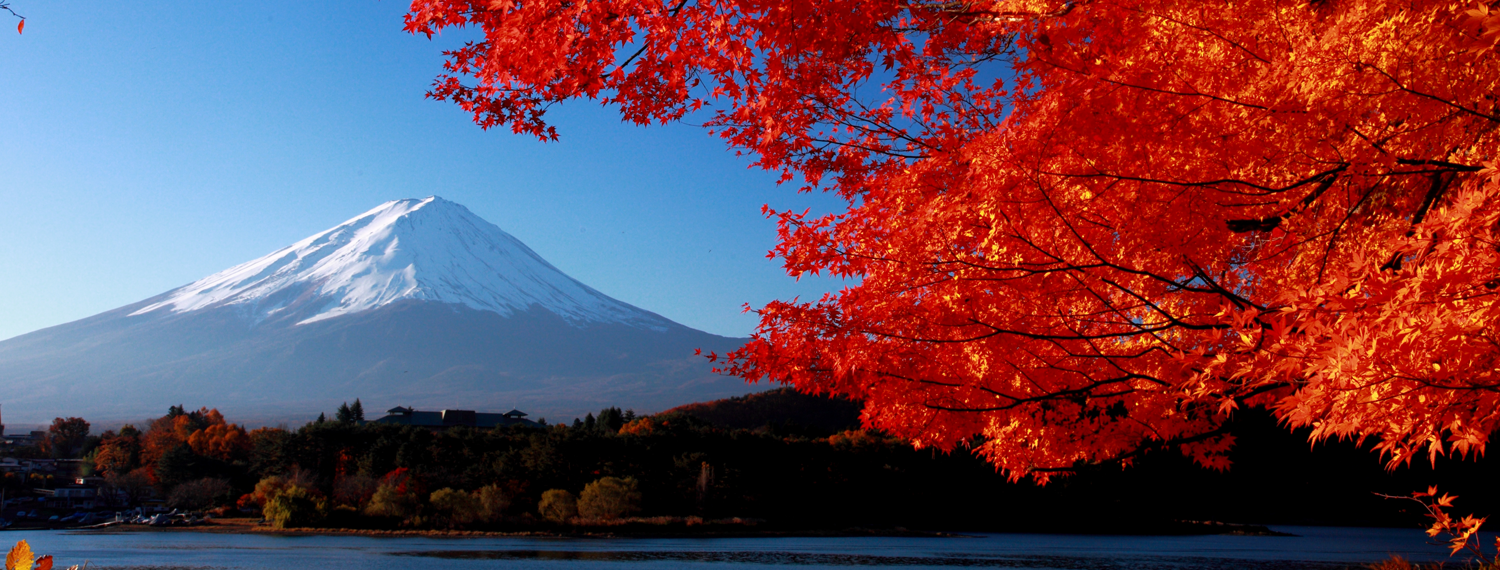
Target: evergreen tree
{"x":344,"y":415}
{"x":611,"y":419}
{"x":357,"y":411}
{"x":588,"y":422}
{"x":577,"y":423}
{"x":322,"y":418}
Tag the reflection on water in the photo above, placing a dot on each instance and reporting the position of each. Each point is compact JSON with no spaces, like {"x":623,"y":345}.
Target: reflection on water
{"x":837,"y":560}
{"x":1312,"y":549}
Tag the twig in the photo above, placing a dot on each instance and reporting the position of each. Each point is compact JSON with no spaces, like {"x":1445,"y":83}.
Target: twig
{"x":6,"y":6}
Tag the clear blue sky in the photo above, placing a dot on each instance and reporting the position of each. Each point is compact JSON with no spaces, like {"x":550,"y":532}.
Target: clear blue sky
{"x":146,"y":145}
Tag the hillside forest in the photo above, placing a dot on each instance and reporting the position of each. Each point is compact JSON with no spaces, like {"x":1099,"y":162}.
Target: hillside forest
{"x":777,"y":460}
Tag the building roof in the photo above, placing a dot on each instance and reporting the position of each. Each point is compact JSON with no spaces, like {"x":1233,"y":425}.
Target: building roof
{"x":454,"y":418}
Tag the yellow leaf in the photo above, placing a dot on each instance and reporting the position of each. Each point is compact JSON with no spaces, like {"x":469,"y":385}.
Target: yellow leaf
{"x":19,"y":557}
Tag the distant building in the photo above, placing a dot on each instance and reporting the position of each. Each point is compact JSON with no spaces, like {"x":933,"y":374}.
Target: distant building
{"x":454,"y":418}
{"x":69,"y":497}
{"x":25,"y":440}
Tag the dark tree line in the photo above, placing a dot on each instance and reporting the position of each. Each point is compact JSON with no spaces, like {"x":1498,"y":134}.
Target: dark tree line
{"x":740,"y":458}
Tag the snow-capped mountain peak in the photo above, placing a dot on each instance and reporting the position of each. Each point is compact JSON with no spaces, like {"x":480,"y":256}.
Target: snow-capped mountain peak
{"x":426,"y":249}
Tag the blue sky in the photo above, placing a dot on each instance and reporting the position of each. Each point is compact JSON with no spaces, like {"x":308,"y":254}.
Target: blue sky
{"x":146,"y":145}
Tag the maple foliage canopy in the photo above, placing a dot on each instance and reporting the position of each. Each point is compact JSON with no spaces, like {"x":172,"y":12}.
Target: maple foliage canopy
{"x":1081,"y":229}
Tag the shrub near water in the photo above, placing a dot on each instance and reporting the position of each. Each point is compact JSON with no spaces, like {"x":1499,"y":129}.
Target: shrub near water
{"x":389,"y":501}
{"x":454,"y":508}
{"x":296,"y":507}
{"x":610,"y":498}
{"x":492,"y":502}
{"x":558,"y":505}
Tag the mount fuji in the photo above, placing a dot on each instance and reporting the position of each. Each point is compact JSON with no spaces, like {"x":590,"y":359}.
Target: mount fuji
{"x":417,"y":303}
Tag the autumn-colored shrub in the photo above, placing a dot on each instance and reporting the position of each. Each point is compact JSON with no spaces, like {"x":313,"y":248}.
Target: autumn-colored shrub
{"x":402,"y":481}
{"x":640,"y":426}
{"x":558,"y":505}
{"x":660,"y":424}
{"x":609,"y":498}
{"x":220,"y":441}
{"x":857,"y":438}
{"x":389,"y":501}
{"x":492,"y":502}
{"x":118,"y":454}
{"x":265,"y":489}
{"x":296,"y":507}
{"x":453,"y":508}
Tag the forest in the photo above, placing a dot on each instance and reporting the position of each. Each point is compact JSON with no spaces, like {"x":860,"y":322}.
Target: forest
{"x":775,"y":461}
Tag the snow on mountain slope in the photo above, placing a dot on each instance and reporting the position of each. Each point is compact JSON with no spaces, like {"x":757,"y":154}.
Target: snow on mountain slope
{"x":428,"y":249}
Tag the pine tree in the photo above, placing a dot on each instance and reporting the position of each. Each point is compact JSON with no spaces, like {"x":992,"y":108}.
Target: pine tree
{"x":322,"y":418}
{"x":588,"y":422}
{"x":610,"y":420}
{"x":344,"y":415}
{"x":357,"y":411}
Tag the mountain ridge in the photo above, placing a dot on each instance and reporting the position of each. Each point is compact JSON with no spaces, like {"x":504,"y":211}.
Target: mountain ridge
{"x":428,"y":249}
{"x":295,"y":332}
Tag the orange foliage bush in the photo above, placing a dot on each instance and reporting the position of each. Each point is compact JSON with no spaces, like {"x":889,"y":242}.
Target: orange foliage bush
{"x":645,"y":425}
{"x":221,"y":441}
{"x":204,"y":431}
{"x":858,"y":438}
{"x":117,"y":456}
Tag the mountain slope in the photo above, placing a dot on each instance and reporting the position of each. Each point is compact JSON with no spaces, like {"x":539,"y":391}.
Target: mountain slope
{"x":429,"y":249}
{"x":417,"y":303}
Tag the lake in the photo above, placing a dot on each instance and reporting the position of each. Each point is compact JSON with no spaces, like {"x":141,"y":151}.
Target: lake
{"x":1313,"y":548}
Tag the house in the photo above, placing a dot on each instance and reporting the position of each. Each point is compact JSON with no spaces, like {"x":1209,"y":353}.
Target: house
{"x":27,"y":466}
{"x":25,"y":440}
{"x":69,"y":497}
{"x":454,"y":418}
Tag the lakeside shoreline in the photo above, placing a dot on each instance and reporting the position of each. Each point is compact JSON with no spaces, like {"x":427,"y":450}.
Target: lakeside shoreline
{"x":625,"y":530}
{"x":644,"y":531}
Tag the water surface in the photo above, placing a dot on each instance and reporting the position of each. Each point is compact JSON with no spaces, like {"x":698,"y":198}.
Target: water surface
{"x":1315,"y":548}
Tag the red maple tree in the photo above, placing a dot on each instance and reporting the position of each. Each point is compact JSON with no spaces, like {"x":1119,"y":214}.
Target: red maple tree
{"x":1081,"y":229}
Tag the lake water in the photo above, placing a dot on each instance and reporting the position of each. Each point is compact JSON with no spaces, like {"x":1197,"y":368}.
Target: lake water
{"x":1313,"y":548}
